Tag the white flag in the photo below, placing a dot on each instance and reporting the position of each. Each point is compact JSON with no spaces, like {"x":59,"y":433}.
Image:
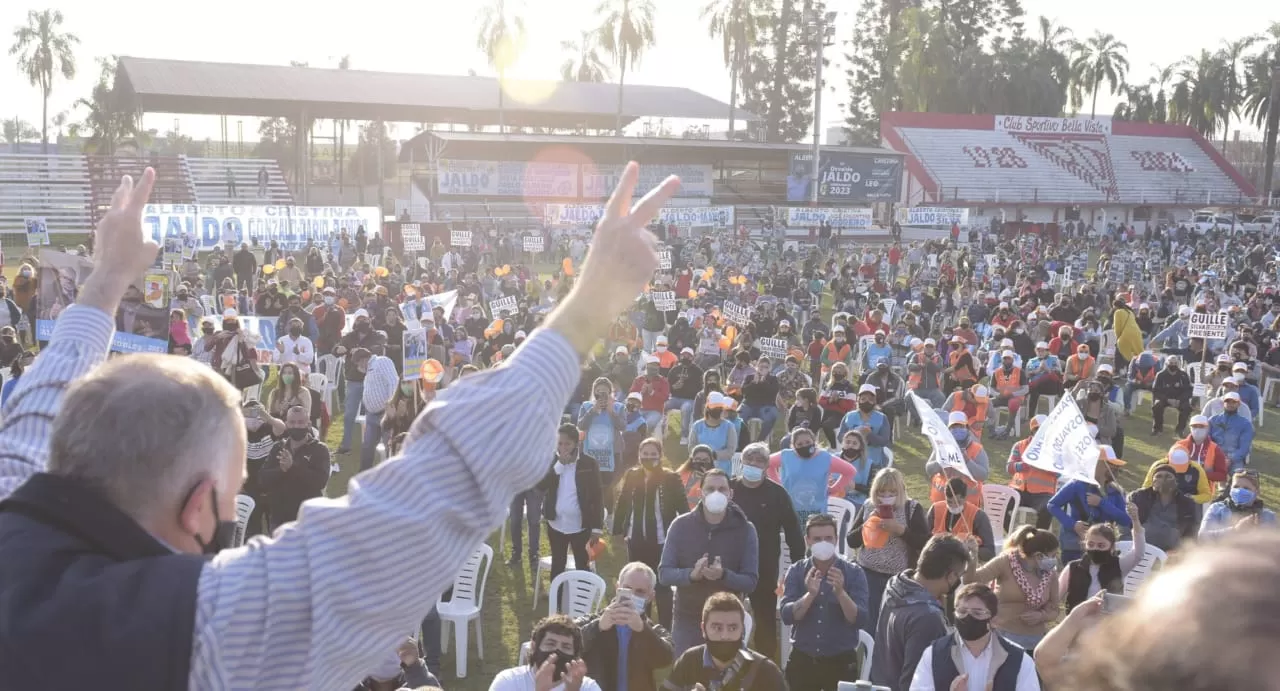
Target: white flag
{"x":1064,"y":445}
{"x":945,"y":449}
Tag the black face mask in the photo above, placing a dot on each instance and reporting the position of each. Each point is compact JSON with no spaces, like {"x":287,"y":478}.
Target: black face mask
{"x":724,"y":651}
{"x":297,"y":433}
{"x":224,"y":532}
{"x":562,"y":662}
{"x":972,"y":628}
{"x":713,"y":414}
{"x":295,"y":332}
{"x":1094,"y":395}
{"x":363,"y":326}
{"x":207,"y":331}
{"x":1100,"y":556}
{"x":866,"y":406}
{"x":805,"y":451}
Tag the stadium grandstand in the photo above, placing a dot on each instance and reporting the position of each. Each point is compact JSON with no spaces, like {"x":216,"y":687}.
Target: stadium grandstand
{"x":1043,"y":169}
{"x":544,"y":143}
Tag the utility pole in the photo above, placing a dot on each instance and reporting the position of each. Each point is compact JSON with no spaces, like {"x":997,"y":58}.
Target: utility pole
{"x":1272,"y":129}
{"x":824,"y":31}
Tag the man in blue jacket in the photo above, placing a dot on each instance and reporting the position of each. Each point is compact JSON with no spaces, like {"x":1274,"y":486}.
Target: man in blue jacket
{"x":1232,"y":431}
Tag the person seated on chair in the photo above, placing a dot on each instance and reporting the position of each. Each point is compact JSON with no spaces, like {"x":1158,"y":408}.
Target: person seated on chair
{"x":1011,"y":388}
{"x":1142,"y":376}
{"x":1203,"y":450}
{"x":1192,"y":479}
{"x":1079,"y":367}
{"x":1215,"y":405}
{"x":555,"y":661}
{"x":1167,"y":515}
{"x":1233,"y":432}
{"x":1241,"y":509}
{"x":1091,"y":398}
{"x":962,"y":518}
{"x":1101,"y":568}
{"x":974,"y":402}
{"x":723,"y":661}
{"x":1035,"y":486}
{"x":654,"y":390}
{"x":1080,"y":504}
{"x":1171,"y":389}
{"x":871,"y":422}
{"x":296,"y":470}
{"x":620,"y":644}
{"x":1044,"y":375}
{"x":760,"y":399}
{"x":975,"y":655}
{"x":887,"y":384}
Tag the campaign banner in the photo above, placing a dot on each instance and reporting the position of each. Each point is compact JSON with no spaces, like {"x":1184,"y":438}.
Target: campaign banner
{"x":460,"y":238}
{"x":931,"y":216}
{"x":664,"y":259}
{"x":507,"y":178}
{"x":1208,"y":325}
{"x":774,"y":348}
{"x":845,"y":177}
{"x":173,"y":251}
{"x":579,"y":215}
{"x":37,"y":231}
{"x":411,"y":237}
{"x":155,"y":287}
{"x":664,"y":301}
{"x":841,"y":217}
{"x":1063,"y":444}
{"x":140,"y":327}
{"x":533,"y":243}
{"x":737,"y":314}
{"x":1034,"y":124}
{"x":945,"y":449}
{"x":415,"y":353}
{"x":503,"y":304}
{"x":696,"y":179}
{"x":293,"y":227}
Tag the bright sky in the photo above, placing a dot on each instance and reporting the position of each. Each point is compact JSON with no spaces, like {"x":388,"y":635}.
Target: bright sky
{"x":439,"y":37}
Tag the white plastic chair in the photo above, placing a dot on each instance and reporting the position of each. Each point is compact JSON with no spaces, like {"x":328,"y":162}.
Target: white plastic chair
{"x":1051,"y":400}
{"x":244,"y":509}
{"x":1135,"y":578}
{"x":784,"y":564}
{"x":999,"y":502}
{"x":888,"y":457}
{"x":748,"y":624}
{"x":331,"y":367}
{"x":842,"y":510}
{"x":869,"y":644}
{"x":1017,"y":419}
{"x":468,"y":600}
{"x":544,"y":564}
{"x":583,"y":594}
{"x":317,"y":381}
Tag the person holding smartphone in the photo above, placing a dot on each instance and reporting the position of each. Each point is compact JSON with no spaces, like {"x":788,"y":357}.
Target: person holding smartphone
{"x":621,"y":645}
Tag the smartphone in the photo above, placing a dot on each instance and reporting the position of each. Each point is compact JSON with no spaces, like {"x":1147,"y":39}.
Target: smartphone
{"x":1112,"y":604}
{"x":884,"y":511}
{"x":625,"y":595}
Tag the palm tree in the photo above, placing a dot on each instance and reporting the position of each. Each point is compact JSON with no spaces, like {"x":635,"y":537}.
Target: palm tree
{"x":42,"y":51}
{"x":583,"y":62}
{"x":1199,"y":95}
{"x":1257,"y":100}
{"x":1163,"y":76}
{"x":501,"y":37}
{"x":16,"y":131}
{"x":1230,"y":55}
{"x":626,"y":31}
{"x":1097,"y":59}
{"x":737,"y":23}
{"x":108,"y":124}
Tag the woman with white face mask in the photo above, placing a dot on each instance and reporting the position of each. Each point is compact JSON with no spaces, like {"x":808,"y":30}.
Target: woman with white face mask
{"x":888,"y":531}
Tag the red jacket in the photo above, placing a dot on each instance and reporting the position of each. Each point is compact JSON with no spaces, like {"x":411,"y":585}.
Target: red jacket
{"x":661,"y":391}
{"x":1209,"y":455}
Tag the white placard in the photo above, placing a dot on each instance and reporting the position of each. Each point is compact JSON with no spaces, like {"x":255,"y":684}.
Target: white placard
{"x":460,"y":238}
{"x":933,"y":261}
{"x":737,"y":314}
{"x":502,"y":304}
{"x":932,"y":216}
{"x":664,"y":301}
{"x":889,"y":306}
{"x":533,"y":243}
{"x":37,"y":231}
{"x":664,"y":260}
{"x":773,"y":348}
{"x":411,"y":237}
{"x":945,"y":449}
{"x":1208,"y":325}
{"x":1063,"y":444}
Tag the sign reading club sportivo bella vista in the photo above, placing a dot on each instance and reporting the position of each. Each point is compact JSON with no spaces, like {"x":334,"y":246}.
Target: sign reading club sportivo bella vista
{"x":1032,"y":124}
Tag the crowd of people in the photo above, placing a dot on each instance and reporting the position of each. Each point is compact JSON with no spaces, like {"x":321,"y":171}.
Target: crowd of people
{"x":716,"y":430}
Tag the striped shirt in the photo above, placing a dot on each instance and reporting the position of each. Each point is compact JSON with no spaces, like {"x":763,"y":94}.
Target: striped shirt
{"x":316,"y":608}
{"x":379,"y":384}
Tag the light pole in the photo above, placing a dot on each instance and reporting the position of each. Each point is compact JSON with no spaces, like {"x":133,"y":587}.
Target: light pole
{"x":824,"y":31}
{"x":1272,"y":128}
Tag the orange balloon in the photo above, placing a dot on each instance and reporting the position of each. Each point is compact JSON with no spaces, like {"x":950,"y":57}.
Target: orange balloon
{"x":280,"y":263}
{"x":381,"y":272}
{"x":306,"y":295}
{"x":693,"y":294}
{"x":726,"y":343}
{"x":594,"y":553}
{"x":408,"y":290}
{"x":432,"y":370}
{"x":711,"y":271}
{"x":318,"y":282}
{"x":567,"y":266}
{"x":506,"y":269}
{"x":268,"y":269}
{"x":342,"y":302}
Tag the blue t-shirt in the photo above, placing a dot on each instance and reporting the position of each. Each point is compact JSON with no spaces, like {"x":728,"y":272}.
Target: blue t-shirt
{"x":624,"y":642}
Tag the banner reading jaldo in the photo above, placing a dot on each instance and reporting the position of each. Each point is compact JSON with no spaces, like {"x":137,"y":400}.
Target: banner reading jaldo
{"x":931,"y":216}
{"x":846,"y":177}
{"x":561,"y":215}
{"x":696,"y":180}
{"x":291,"y":226}
{"x":508,"y":178}
{"x":842,"y":217}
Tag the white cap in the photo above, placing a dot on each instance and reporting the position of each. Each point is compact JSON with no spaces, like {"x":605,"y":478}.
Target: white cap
{"x":650,"y":359}
{"x":1038,"y":420}
{"x":1240,"y":367}
{"x":662,"y":340}
{"x":1144,"y":306}
{"x":521,"y":334}
{"x":927,"y":341}
{"x":229,"y":314}
{"x":1199,"y":421}
{"x":1008,"y":354}
{"x":1179,"y":456}
{"x":1108,"y":452}
{"x":867,"y":388}
{"x":718,"y":400}
{"x":1042,"y":345}
{"x":1231,"y":396}
{"x":362,"y":312}
{"x":1104,"y":367}
{"x":980,"y":391}
{"x":1004,"y":306}
{"x":1006,"y":343}
{"x":687,"y":350}
{"x":635,"y":395}
{"x":1184,"y":311}
{"x":621,"y":350}
{"x":1224,"y":358}
{"x":957,"y":417}
{"x":783,"y":323}
{"x":838,"y":329}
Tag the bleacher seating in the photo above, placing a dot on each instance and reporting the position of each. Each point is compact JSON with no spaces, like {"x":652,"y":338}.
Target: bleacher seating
{"x":967,"y":158}
{"x":172,"y":184}
{"x":53,"y":187}
{"x":209,"y":181}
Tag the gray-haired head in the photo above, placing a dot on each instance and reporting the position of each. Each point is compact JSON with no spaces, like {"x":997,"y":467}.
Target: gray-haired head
{"x":160,"y":436}
{"x":756,"y":451}
{"x":641,"y":567}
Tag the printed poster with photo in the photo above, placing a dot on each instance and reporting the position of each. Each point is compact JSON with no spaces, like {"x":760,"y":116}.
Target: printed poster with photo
{"x":140,"y":327}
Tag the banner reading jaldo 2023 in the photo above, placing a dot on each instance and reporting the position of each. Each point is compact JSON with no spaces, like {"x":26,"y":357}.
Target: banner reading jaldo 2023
{"x":846,"y":178}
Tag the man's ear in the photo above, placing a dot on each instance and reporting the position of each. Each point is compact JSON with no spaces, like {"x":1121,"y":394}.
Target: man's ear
{"x":200,"y":497}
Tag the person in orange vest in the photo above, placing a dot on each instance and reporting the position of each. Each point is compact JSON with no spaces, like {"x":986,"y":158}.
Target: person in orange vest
{"x":1080,"y":367}
{"x":1011,"y":388}
{"x":976,"y":462}
{"x":838,"y":350}
{"x":962,"y":371}
{"x":1203,"y":450}
{"x":962,"y":518}
{"x":1035,"y":486}
{"x":974,"y":402}
{"x":924,"y":371}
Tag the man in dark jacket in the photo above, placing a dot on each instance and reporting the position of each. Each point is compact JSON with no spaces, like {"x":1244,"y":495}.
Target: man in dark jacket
{"x":1167,"y":515}
{"x":625,"y":623}
{"x":574,"y":508}
{"x":769,"y":508}
{"x":1171,"y":389}
{"x":711,"y":549}
{"x":650,"y":497}
{"x":245,"y":265}
{"x":685,"y":379}
{"x":912,"y":615}
{"x":296,"y":470}
{"x":724,"y":661}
